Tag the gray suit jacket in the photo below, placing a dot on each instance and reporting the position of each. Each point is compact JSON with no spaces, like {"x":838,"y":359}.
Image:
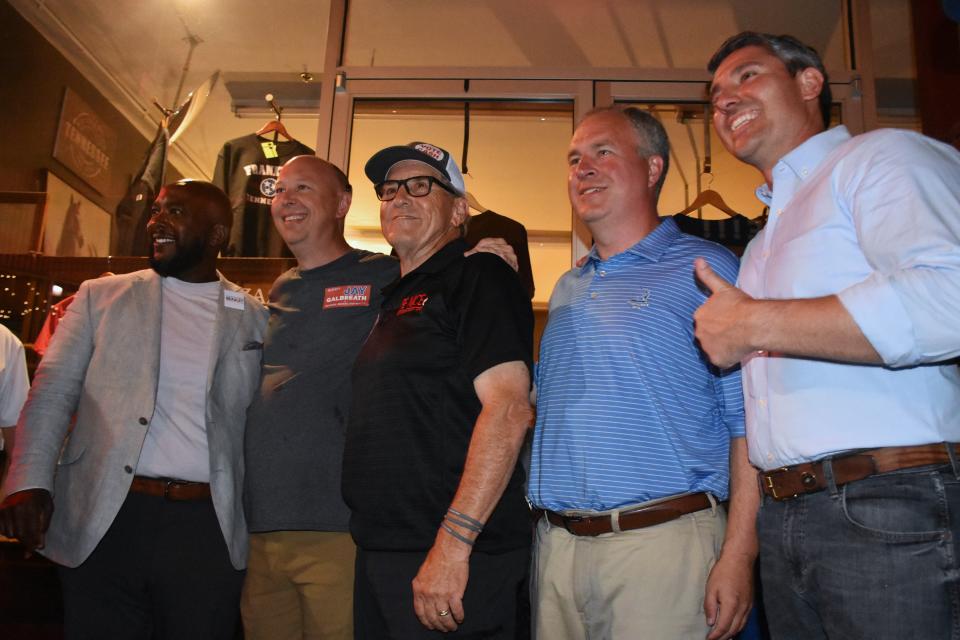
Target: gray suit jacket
{"x":103,"y":365}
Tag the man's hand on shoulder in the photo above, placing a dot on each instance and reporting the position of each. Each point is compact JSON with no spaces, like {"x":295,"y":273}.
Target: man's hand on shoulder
{"x":499,"y":248}
{"x":25,"y":515}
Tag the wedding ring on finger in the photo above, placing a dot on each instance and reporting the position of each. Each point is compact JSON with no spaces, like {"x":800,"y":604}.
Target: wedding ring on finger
{"x":443,"y":612}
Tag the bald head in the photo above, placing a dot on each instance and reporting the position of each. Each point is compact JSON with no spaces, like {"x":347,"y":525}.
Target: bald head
{"x":189,"y":226}
{"x":215,"y":203}
{"x":321,"y":169}
{"x":309,"y":207}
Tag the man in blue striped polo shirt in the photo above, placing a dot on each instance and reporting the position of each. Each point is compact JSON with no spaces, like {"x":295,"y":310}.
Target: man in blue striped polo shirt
{"x":638,"y":438}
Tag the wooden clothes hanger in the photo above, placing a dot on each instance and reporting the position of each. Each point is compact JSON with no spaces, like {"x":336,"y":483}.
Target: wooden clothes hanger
{"x":474,"y":203}
{"x":708,"y":196}
{"x":275,"y":126}
{"x":712,"y":198}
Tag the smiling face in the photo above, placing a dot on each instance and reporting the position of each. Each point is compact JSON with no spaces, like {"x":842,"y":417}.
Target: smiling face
{"x":309,"y":205}
{"x":760,"y":111}
{"x":419,"y":227}
{"x":184,"y":234}
{"x":611,"y":186}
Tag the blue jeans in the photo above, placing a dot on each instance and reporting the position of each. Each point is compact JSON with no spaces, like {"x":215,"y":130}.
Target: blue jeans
{"x":873,"y":559}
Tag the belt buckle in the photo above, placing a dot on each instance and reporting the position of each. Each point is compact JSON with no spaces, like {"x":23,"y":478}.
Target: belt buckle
{"x":570,"y":522}
{"x":768,"y":476}
{"x":170,"y":482}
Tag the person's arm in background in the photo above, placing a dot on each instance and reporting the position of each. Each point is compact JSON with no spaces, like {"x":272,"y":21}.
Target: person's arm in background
{"x":14,"y":385}
{"x":43,"y":425}
{"x":6,"y":450}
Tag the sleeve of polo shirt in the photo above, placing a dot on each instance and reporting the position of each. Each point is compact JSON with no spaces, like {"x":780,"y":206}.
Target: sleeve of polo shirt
{"x":729,"y":386}
{"x":496,"y":319}
{"x":903,"y":193}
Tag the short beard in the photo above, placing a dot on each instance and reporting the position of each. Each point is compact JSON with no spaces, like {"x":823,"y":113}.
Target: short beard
{"x":185,"y":257}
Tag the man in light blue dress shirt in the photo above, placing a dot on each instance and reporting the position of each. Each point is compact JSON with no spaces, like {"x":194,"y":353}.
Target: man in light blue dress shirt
{"x":637,"y":436}
{"x":846,"y":319}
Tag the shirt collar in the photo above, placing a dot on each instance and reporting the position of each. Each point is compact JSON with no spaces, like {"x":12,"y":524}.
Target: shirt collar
{"x":804,"y":159}
{"x":434,"y":264}
{"x":442,"y":258}
{"x":337,"y":263}
{"x":652,"y":246}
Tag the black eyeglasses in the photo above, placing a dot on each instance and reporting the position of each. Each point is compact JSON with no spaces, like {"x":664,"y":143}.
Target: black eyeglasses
{"x":417,"y":186}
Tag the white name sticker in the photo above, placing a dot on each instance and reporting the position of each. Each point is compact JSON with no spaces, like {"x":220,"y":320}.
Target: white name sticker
{"x":233,"y":300}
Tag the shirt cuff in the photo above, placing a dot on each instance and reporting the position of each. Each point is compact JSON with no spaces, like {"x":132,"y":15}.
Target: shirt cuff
{"x":881,"y":316}
{"x":737,"y":428}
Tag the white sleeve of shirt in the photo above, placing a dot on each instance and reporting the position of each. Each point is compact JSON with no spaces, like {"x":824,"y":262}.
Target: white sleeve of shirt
{"x":14,"y":382}
{"x":903,"y":193}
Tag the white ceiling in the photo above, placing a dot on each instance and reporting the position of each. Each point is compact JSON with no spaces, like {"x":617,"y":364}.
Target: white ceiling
{"x":660,"y":34}
{"x":135,"y":50}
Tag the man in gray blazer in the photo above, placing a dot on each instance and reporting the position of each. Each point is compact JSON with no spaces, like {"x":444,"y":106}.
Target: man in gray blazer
{"x":140,"y":503}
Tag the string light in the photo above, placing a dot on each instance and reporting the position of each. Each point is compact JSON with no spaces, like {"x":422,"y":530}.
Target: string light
{"x":27,"y":291}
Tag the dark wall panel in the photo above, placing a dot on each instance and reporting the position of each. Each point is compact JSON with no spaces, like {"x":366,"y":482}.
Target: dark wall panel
{"x":33,"y":76}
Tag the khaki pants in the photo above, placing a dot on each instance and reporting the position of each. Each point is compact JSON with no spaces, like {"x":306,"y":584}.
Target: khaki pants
{"x":645,"y":583}
{"x":299,"y":585}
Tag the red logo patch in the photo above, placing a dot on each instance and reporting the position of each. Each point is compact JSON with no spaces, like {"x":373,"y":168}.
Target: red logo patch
{"x":348,"y":295}
{"x":412,"y":303}
{"x":430,"y":150}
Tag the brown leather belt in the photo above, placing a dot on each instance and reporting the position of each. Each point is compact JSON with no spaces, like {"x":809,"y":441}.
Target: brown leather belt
{"x":638,"y":518}
{"x":171,"y":489}
{"x":808,"y":477}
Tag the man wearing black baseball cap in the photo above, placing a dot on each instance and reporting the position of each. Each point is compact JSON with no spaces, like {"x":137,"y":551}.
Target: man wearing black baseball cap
{"x":440,"y":408}
{"x":438,"y":159}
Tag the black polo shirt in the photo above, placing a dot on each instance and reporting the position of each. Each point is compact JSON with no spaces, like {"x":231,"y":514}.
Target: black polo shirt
{"x":414,"y":406}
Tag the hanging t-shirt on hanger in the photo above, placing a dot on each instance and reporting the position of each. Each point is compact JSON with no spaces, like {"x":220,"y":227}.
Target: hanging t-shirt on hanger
{"x":247,"y":170}
{"x":734,"y":232}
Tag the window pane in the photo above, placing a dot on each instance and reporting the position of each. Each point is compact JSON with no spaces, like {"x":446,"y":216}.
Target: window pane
{"x":516,"y":167}
{"x":732,"y":179}
{"x":894,"y":62}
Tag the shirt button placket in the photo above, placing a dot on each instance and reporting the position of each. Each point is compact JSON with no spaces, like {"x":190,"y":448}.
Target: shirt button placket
{"x":599,"y":273}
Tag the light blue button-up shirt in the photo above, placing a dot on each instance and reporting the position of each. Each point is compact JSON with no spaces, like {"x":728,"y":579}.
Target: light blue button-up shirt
{"x":628,"y":408}
{"x":874,"y":219}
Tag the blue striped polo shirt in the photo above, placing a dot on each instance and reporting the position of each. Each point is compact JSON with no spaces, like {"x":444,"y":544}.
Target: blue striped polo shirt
{"x":628,"y":407}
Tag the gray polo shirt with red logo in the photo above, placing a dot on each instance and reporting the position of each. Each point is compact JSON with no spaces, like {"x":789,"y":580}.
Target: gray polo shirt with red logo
{"x":319,"y":319}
